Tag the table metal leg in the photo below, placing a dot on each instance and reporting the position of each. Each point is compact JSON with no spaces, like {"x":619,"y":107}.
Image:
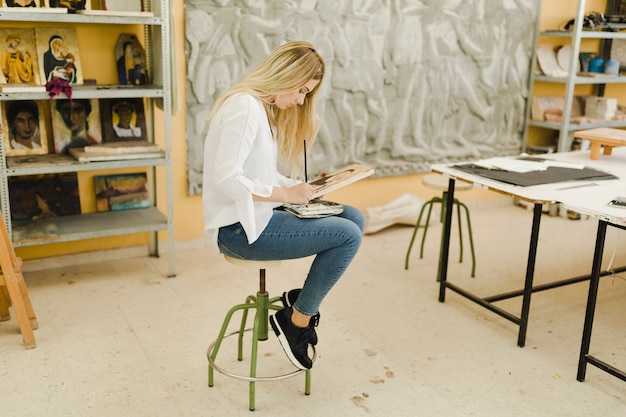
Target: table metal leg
{"x":445,"y":242}
{"x":591,"y":300}
{"x":530,"y":274}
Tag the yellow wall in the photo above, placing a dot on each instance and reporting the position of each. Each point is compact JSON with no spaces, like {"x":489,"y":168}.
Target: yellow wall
{"x":188,"y":210}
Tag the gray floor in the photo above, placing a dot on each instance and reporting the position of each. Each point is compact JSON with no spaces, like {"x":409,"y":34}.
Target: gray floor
{"x":118,"y":338}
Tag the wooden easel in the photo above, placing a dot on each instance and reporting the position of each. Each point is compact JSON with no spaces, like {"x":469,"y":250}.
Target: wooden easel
{"x":13,"y":290}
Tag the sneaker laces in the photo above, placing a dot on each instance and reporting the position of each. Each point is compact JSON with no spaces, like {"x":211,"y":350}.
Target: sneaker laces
{"x":310,"y":329}
{"x":314,"y":321}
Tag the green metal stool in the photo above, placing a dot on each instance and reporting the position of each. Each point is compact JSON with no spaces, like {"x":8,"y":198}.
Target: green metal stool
{"x":261,"y":303}
{"x":440,"y":182}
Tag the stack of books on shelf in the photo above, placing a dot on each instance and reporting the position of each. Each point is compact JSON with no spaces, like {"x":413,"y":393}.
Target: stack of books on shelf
{"x":112,"y":151}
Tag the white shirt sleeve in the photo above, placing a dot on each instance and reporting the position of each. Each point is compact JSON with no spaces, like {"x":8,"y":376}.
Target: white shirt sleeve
{"x":240,"y":159}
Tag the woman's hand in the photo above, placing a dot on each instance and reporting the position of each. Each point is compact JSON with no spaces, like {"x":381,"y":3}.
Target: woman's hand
{"x":299,"y":194}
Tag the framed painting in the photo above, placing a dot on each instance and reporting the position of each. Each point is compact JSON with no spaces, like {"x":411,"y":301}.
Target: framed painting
{"x":123,"y":119}
{"x":57,"y":52}
{"x":24,"y":127}
{"x":42,"y":196}
{"x":72,"y":6}
{"x":130,"y":60}
{"x":75,"y":124}
{"x":121,"y":192}
{"x":18,"y":56}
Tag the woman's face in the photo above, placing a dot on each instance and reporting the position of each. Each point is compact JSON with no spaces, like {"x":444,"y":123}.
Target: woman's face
{"x":25,"y":125}
{"x":296,"y":97}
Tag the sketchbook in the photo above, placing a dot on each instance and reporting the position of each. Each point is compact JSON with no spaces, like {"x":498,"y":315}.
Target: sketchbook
{"x":341,"y":178}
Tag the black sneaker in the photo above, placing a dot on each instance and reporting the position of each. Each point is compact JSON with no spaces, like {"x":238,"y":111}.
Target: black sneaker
{"x":289,"y":299}
{"x":293,"y":339}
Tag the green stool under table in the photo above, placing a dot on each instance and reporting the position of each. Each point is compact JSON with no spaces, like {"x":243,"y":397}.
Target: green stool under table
{"x":260,"y":304}
{"x":440,"y":182}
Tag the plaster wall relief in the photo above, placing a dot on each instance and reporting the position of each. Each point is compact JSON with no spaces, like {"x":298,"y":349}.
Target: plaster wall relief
{"x":409,"y":83}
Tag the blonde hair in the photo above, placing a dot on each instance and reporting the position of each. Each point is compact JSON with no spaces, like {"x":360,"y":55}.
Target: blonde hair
{"x":288,"y":68}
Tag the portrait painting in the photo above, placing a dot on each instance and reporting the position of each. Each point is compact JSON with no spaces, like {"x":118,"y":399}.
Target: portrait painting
{"x":57,"y":52}
{"x":121,"y":191}
{"x":20,"y":3}
{"x":24,"y":127}
{"x":130,"y":58}
{"x":72,"y":6}
{"x":123,"y":119}
{"x":43,"y":196}
{"x":18,"y":56}
{"x":75,"y":124}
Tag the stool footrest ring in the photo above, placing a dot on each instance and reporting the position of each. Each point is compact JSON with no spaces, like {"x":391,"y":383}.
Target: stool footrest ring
{"x":246,"y":377}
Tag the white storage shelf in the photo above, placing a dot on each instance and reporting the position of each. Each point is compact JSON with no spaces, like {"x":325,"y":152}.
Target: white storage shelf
{"x":91,"y":226}
{"x":102,"y":224}
{"x":40,"y":16}
{"x":574,"y":37}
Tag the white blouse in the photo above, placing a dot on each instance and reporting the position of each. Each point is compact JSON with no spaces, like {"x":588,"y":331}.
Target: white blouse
{"x":240,"y":159}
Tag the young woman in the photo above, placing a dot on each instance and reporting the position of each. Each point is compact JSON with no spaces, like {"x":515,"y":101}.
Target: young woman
{"x":261,"y":123}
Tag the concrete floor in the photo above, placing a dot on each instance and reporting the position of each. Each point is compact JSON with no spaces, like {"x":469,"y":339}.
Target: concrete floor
{"x":118,"y":338}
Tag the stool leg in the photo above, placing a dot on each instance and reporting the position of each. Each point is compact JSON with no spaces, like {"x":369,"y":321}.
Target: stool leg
{"x":253,"y":356}
{"x":244,"y":318}
{"x":220,"y":337}
{"x":471,"y":238}
{"x":458,"y":215}
{"x":307,"y":382}
{"x":417,"y":225}
{"x":260,"y":333}
{"x":434,"y":200}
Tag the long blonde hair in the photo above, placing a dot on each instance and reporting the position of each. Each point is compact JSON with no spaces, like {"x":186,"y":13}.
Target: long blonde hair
{"x":288,"y":68}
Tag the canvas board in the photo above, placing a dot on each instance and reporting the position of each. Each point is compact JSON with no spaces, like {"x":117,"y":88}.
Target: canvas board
{"x":123,"y":119}
{"x":58,"y":55}
{"x":35,"y":197}
{"x":24,"y":127}
{"x":75,"y":124}
{"x":19,"y":52}
{"x":121,"y":191}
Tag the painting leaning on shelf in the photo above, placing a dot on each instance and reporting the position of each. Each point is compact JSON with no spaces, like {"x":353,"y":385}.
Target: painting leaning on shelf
{"x":18,"y":56}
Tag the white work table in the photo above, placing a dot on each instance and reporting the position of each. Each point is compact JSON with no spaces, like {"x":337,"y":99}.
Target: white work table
{"x":586,"y":196}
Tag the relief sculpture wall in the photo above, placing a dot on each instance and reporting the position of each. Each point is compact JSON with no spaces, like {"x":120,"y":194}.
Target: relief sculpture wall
{"x":409,"y":82}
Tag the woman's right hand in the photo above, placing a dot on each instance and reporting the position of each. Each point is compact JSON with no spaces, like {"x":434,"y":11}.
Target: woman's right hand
{"x":299,"y":194}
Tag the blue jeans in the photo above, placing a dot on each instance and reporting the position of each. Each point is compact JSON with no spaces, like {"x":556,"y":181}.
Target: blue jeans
{"x":334,"y":240}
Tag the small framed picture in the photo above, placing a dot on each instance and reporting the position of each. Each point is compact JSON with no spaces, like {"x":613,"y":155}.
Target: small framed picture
{"x":57,"y":51}
{"x":123,"y":119}
{"x":75,"y":124}
{"x":131,"y":61}
{"x":19,"y":56}
{"x":25,"y":127}
{"x":72,"y":6}
{"x":35,"y":197}
{"x":20,"y":3}
{"x":121,"y":191}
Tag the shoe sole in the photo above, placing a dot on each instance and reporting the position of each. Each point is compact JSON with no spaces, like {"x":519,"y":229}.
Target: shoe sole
{"x":285,"y":344}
